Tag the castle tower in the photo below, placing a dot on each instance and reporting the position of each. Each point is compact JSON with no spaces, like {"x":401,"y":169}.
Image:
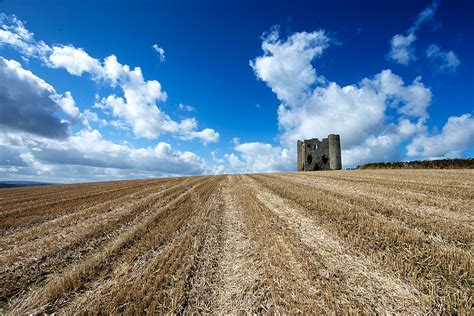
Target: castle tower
{"x":335,"y":162}
{"x":313,"y":154}
{"x":300,"y":155}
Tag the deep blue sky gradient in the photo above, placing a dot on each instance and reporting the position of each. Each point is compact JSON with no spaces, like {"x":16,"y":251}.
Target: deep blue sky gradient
{"x":208,"y":46}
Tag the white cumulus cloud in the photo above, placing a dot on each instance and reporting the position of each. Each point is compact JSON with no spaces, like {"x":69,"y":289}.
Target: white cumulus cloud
{"x":28,"y":103}
{"x":374,"y":116}
{"x":358,"y":112}
{"x":36,"y":139}
{"x":259,"y":157}
{"x":75,"y":60}
{"x":457,"y":135}
{"x":401,"y":50}
{"x":286,"y":65}
{"x":207,"y":135}
{"x":14,"y":33}
{"x":88,"y":152}
{"x":68,"y":105}
{"x":137,"y":105}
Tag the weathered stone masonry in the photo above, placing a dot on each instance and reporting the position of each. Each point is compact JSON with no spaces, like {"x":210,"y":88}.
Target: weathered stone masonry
{"x":314,"y":154}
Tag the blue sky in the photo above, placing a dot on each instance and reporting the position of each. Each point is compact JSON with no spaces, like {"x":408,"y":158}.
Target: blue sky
{"x":228,"y":86}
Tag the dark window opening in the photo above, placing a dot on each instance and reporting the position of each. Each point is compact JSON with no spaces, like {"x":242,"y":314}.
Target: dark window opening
{"x":309,"y":159}
{"x":325,"y":159}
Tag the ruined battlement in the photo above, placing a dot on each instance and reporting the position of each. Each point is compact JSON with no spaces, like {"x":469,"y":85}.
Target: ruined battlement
{"x":314,"y":154}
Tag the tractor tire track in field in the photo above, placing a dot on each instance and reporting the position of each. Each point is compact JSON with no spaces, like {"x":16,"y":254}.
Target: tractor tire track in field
{"x":241,"y":278}
{"x":378,"y":242}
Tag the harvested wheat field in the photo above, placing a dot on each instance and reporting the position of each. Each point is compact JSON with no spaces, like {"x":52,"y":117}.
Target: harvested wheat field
{"x":398,"y":241}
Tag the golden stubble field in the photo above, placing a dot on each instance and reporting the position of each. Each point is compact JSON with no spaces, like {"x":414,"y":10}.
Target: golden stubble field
{"x":398,"y":241}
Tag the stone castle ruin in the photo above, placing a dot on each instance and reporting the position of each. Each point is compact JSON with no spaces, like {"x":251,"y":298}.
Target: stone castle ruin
{"x":314,"y":154}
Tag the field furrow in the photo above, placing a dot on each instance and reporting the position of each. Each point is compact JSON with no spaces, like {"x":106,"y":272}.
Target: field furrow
{"x":46,"y":256}
{"x":130,"y":241}
{"x":241,"y":275}
{"x":286,"y":272}
{"x":366,"y":242}
{"x":451,"y":206}
{"x":153,"y":265}
{"x":455,"y":185}
{"x":377,"y":290}
{"x":95,"y":210}
{"x":438,"y":270}
{"x":429,"y":220}
{"x":25,"y":196}
{"x":25,"y":216}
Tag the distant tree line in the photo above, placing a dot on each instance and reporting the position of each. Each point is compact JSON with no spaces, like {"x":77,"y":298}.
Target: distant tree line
{"x":17,"y":184}
{"x":422,"y":164}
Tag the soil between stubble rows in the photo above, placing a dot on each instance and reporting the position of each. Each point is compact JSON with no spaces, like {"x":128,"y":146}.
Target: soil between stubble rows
{"x":379,"y":241}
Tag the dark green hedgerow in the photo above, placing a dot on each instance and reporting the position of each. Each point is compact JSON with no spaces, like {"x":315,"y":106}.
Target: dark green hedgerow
{"x":423,"y":164}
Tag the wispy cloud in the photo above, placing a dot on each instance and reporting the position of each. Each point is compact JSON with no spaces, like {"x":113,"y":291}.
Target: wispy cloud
{"x":424,"y":16}
{"x":160,"y":51}
{"x":186,"y":107}
{"x":401,"y":50}
{"x":445,"y":61}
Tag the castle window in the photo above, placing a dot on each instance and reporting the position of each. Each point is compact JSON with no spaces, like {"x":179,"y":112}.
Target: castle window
{"x":309,"y":159}
{"x":316,"y":147}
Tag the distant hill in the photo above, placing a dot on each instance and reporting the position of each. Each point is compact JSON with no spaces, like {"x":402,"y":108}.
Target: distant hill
{"x":423,"y":164}
{"x":16,"y":184}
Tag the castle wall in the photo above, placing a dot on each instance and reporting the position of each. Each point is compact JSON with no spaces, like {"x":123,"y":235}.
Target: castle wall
{"x":316,"y":154}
